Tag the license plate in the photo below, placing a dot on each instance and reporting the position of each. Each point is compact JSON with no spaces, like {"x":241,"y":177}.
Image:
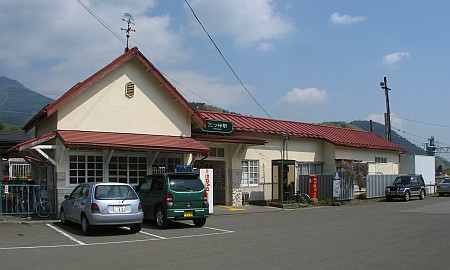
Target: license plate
{"x":119,"y":209}
{"x":188,"y":213}
{"x":392,"y":193}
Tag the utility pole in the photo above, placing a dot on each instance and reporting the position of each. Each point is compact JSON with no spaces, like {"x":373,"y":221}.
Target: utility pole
{"x":387,"y":117}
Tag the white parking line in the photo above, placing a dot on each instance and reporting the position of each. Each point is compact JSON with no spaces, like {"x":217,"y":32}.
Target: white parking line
{"x":220,"y":230}
{"x":80,"y":243}
{"x":154,"y":235}
{"x":66,"y":235}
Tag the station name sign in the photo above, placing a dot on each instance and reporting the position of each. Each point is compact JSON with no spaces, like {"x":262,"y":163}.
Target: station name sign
{"x":218,"y":126}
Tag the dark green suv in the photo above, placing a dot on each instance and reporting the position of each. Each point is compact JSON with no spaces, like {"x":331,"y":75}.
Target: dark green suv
{"x":174,"y":196}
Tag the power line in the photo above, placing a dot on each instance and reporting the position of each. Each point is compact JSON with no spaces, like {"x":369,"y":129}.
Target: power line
{"x":119,"y":37}
{"x":421,"y":122}
{"x":197,"y":95}
{"x":228,"y":64}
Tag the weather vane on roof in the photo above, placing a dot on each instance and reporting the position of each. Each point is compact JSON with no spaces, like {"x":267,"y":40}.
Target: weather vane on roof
{"x":130,"y":21}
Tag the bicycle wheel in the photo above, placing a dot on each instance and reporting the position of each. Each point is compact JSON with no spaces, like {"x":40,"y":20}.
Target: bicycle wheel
{"x":21,"y":209}
{"x":303,"y":199}
{"x":44,"y":209}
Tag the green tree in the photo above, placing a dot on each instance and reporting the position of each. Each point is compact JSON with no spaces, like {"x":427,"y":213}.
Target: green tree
{"x":14,"y":128}
{"x":2,"y":125}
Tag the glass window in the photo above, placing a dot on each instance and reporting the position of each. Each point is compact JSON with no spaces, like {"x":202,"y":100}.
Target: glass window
{"x":111,"y":192}
{"x":380,"y":160}
{"x":76,"y":193}
{"x":85,"y":168}
{"x":217,"y":152}
{"x":250,"y":172}
{"x":307,"y":168}
{"x":185,"y":183}
{"x":166,"y":164}
{"x":127,"y":169}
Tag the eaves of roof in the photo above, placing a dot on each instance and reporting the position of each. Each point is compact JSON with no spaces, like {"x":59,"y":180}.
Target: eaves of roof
{"x":335,"y":135}
{"x":77,"y":139}
{"x":127,"y":56}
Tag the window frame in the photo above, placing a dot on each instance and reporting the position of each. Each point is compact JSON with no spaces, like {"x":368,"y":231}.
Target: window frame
{"x":86,"y":168}
{"x":247,"y":165}
{"x":311,"y":167}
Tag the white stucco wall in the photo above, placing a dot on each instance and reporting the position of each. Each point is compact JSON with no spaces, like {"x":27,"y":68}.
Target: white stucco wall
{"x":368,"y":155}
{"x":298,"y":149}
{"x":104,"y":106}
{"x":418,"y":164}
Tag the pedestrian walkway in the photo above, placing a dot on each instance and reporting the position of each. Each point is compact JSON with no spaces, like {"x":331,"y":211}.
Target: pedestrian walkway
{"x":247,"y":209}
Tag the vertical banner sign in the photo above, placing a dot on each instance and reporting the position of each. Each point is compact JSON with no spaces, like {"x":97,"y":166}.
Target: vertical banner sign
{"x":336,"y":186}
{"x":207,"y":177}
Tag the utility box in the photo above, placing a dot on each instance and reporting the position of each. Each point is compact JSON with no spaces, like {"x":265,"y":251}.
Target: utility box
{"x":417,"y":164}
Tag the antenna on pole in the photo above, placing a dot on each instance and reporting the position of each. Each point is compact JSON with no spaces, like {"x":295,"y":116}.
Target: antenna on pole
{"x":130,"y":21}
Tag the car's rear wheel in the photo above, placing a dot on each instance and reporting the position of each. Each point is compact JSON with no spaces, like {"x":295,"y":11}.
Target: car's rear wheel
{"x":407,"y":196}
{"x":85,"y":226}
{"x":160,"y":218}
{"x":63,"y":217}
{"x":199,"y":222}
{"x":135,"y":228}
{"x":422,"y":194}
{"x":441,"y":194}
{"x":388,"y":198}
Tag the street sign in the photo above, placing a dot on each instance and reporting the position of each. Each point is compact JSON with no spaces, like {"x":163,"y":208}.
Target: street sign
{"x":218,"y":126}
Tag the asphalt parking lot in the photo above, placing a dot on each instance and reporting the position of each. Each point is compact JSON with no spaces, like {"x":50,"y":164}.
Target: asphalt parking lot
{"x":29,"y":233}
{"x":375,"y":235}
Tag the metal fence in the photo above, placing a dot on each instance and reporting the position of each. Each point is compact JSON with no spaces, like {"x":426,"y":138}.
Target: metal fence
{"x":325,"y":187}
{"x":375,"y":184}
{"x":23,"y":199}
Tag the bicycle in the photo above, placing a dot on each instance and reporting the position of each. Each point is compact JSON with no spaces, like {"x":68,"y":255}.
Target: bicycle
{"x":43,"y":207}
{"x":21,"y":206}
{"x":302,"y":198}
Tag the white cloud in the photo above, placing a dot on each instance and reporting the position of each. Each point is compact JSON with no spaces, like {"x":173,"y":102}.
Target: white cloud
{"x":265,"y":47}
{"x":336,"y":18}
{"x":202,"y":88}
{"x":379,"y":118}
{"x":393,"y":58}
{"x":61,"y":42}
{"x":305,"y":96}
{"x":248,"y":22}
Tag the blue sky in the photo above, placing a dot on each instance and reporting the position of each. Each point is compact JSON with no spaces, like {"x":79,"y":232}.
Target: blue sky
{"x":302,"y":60}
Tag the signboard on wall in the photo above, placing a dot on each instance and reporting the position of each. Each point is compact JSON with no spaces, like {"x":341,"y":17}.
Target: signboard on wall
{"x":218,"y":126}
{"x":207,"y":177}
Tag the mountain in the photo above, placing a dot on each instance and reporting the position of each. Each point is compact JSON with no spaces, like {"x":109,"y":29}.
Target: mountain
{"x":411,"y":149}
{"x":378,"y":129}
{"x":19,"y":104}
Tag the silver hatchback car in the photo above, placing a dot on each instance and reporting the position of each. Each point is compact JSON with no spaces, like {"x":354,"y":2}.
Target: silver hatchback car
{"x":93,"y":204}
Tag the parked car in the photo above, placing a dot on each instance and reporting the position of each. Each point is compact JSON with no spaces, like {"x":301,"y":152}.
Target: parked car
{"x":405,"y":186}
{"x":174,"y":196}
{"x":443,"y":187}
{"x":95,"y":204}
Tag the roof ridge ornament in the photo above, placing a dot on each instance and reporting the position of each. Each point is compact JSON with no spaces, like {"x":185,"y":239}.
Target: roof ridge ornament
{"x":130,"y":21}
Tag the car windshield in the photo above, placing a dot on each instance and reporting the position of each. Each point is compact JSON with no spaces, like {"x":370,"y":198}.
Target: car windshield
{"x":114,"y":192}
{"x":446,"y":180}
{"x":402,"y":180}
{"x":185,"y":183}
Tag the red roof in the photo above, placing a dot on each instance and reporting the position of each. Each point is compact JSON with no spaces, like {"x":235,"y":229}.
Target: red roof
{"x":119,"y":141}
{"x":334,"y":135}
{"x":127,"y":56}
